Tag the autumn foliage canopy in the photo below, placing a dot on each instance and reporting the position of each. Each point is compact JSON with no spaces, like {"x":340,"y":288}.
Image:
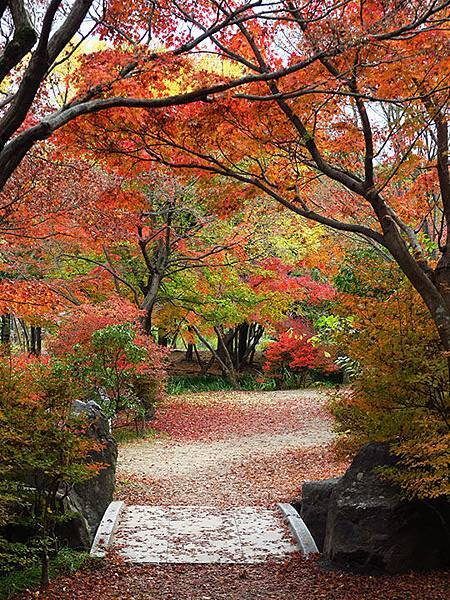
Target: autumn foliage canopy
{"x":180,"y":173}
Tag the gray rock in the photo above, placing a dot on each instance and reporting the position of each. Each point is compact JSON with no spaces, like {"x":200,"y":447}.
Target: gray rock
{"x":314,"y":507}
{"x":75,"y":531}
{"x":370,"y":527}
{"x":92,"y":498}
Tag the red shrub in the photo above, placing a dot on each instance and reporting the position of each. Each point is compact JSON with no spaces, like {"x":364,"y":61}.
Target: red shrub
{"x":296,"y":350}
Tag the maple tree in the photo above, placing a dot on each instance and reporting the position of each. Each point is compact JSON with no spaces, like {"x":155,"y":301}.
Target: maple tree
{"x":238,"y":301}
{"x":399,"y":382}
{"x":161,"y":231}
{"x":42,"y":203}
{"x":296,"y":350}
{"x":44,"y":449}
{"x":38,"y":37}
{"x":360,"y":103}
{"x":103,"y":348}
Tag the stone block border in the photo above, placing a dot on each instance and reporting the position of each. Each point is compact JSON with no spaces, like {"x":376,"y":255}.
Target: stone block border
{"x":106,"y":529}
{"x":299,"y":529}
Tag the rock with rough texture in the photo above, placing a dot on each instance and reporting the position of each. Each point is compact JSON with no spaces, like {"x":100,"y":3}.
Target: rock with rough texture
{"x":91,"y":499}
{"x":370,"y":527}
{"x":74,"y":531}
{"x":314,"y":507}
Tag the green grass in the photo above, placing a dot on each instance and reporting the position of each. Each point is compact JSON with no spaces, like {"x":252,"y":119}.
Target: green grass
{"x":123,"y":435}
{"x":179,"y":384}
{"x":66,"y":562}
{"x":183,"y":384}
{"x":251,"y":382}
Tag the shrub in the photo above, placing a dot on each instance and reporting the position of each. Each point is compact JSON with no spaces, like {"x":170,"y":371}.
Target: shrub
{"x":43,"y":450}
{"x":297,"y":353}
{"x":400,"y":390}
{"x":111,"y":359}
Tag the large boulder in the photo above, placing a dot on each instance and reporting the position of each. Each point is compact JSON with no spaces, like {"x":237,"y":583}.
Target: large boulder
{"x":314,"y":507}
{"x":370,"y":527}
{"x":88,"y":501}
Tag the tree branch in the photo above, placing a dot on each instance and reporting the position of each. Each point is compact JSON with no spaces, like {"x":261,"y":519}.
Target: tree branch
{"x":23,"y":39}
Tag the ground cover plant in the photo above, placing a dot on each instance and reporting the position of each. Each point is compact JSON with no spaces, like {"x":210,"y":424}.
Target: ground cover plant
{"x":65,"y":563}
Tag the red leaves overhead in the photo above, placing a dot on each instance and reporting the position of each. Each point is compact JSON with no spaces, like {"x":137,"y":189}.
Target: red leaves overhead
{"x":281,"y":277}
{"x":28,"y":299}
{"x":85,"y":319}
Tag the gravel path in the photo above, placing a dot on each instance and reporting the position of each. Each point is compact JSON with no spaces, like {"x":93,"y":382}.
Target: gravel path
{"x":254,"y":453}
{"x":164,"y":458}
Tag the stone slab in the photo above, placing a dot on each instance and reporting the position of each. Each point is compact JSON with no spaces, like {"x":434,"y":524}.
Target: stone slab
{"x":202,"y":534}
{"x":106,"y":529}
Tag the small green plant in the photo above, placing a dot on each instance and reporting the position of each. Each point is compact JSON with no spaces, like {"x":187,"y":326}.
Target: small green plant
{"x":66,"y":562}
{"x":211,"y":383}
{"x":16,"y":556}
{"x":250,"y":382}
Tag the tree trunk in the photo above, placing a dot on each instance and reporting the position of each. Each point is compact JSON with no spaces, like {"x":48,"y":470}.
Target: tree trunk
{"x":189,"y":352}
{"x":36,"y":340}
{"x":441,"y":315}
{"x":432,"y":286}
{"x":224,"y":359}
{"x":224,"y":343}
{"x":151,"y":293}
{"x":6,"y":329}
{"x":26,"y":337}
{"x":45,"y":580}
{"x":242,"y":348}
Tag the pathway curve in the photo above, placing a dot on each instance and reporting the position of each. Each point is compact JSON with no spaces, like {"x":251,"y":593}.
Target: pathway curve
{"x":229,"y":449}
